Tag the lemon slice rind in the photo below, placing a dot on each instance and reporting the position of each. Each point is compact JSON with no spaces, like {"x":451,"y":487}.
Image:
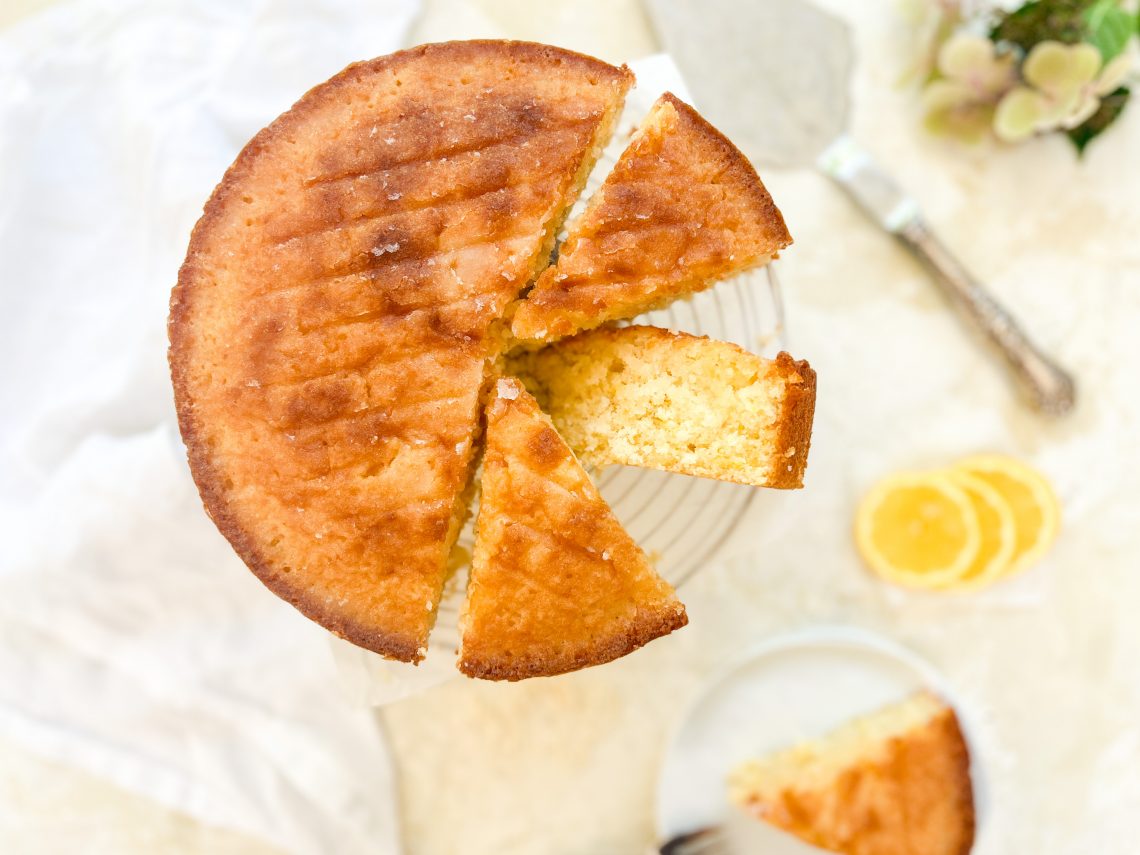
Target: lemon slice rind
{"x":1044,"y":498}
{"x":999,"y":563}
{"x":910,"y":578}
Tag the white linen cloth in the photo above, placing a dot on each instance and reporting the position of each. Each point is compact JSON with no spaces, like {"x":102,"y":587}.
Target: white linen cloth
{"x":132,"y":641}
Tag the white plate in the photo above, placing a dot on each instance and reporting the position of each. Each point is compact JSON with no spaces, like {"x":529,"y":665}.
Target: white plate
{"x":791,"y":688}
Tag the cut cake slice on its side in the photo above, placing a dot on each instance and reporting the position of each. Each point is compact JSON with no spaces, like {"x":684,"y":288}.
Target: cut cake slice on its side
{"x":645,"y":396}
{"x":896,"y":782}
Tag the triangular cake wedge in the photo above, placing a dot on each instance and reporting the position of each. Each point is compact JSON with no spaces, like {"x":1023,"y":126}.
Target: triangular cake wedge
{"x":645,"y":396}
{"x":896,"y":782}
{"x":682,"y":209}
{"x":556,"y":582}
{"x":330,"y":332}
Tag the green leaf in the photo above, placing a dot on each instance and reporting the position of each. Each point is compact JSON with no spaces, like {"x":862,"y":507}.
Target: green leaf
{"x":1111,"y":106}
{"x":1109,"y":27}
{"x":1043,"y":20}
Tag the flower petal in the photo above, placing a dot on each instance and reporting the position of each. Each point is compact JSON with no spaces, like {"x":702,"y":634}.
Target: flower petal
{"x":999,"y":76}
{"x":1058,"y":108}
{"x":1114,"y":74}
{"x":1018,"y":114}
{"x":1057,"y":68}
{"x":953,"y":110}
{"x":1082,"y":112}
{"x":1086,"y":61}
{"x":974,"y":60}
{"x":968,"y":123}
{"x":963,"y":53}
{"x":945,"y":94}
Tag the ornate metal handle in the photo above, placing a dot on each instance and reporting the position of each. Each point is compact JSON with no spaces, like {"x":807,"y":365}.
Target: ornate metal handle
{"x":1046,"y":386}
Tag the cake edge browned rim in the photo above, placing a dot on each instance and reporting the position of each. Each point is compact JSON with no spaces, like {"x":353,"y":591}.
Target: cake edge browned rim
{"x":964,"y":783}
{"x":793,"y":442}
{"x":735,"y":158}
{"x":670,"y":617}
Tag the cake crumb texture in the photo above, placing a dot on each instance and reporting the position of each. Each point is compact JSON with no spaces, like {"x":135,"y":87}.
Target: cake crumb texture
{"x":645,"y":396}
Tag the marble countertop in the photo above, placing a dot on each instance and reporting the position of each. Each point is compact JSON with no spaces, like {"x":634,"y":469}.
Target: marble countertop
{"x":1049,"y":669}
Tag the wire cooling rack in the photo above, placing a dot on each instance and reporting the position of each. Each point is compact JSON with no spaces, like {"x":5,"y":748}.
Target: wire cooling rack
{"x":679,"y":521}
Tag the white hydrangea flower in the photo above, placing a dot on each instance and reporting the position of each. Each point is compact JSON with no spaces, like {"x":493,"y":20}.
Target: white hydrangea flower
{"x":974,"y":76}
{"x":1063,"y":87}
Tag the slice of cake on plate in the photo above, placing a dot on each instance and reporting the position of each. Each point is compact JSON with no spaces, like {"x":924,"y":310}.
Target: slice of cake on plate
{"x":645,"y":396}
{"x":896,"y":782}
{"x":330,"y":332}
{"x":682,"y":209}
{"x":556,"y":582}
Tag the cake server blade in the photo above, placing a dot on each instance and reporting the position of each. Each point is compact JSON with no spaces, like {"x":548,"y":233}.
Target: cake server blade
{"x":774,"y":76}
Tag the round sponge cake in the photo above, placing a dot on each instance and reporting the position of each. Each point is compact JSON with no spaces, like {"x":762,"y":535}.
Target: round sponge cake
{"x":335,"y":318}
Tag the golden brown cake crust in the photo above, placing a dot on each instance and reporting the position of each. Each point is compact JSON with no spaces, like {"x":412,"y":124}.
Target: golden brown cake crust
{"x":329,"y":329}
{"x":650,"y":627}
{"x":682,"y":209}
{"x":915,"y":799}
{"x":794,"y":440}
{"x":556,"y":582}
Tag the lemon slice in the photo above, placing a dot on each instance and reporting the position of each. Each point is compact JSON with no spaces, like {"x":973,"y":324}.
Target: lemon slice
{"x":918,"y":529}
{"x":997,"y":528}
{"x":1030,"y":497}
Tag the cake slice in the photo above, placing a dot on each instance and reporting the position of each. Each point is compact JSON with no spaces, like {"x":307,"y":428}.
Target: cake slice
{"x":556,"y":582}
{"x":331,"y":329}
{"x":682,"y":209}
{"x":896,"y":782}
{"x":645,"y":396}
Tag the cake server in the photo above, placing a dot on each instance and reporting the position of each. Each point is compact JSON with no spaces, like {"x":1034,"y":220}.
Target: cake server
{"x":779,"y":85}
{"x":738,"y":833}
